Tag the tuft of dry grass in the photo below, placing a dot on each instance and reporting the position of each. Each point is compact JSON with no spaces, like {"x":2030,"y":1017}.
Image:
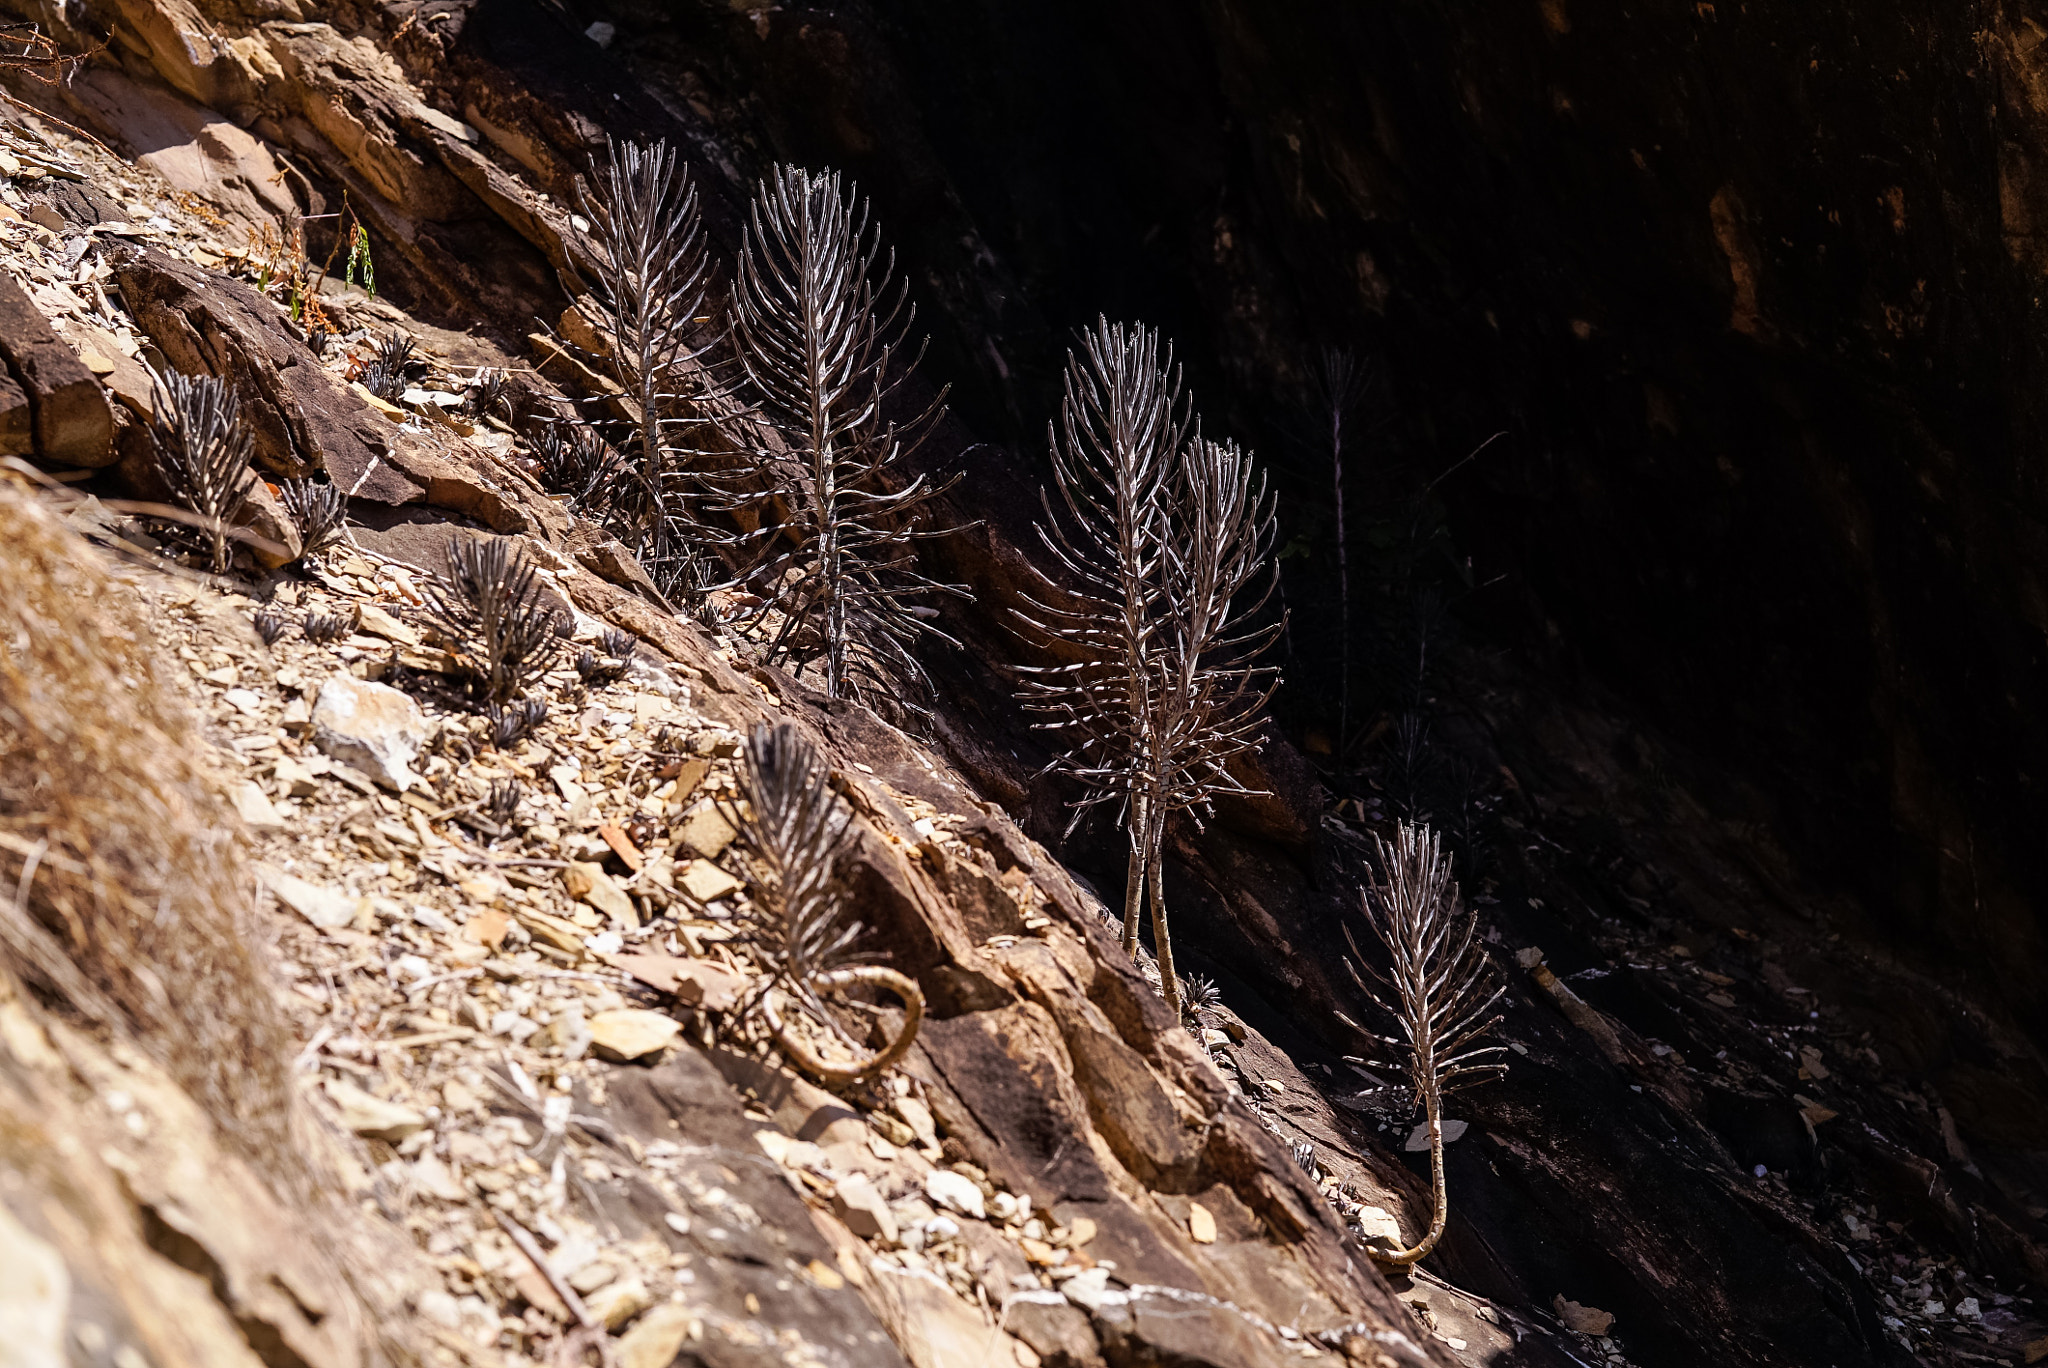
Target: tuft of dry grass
{"x":124,"y":894}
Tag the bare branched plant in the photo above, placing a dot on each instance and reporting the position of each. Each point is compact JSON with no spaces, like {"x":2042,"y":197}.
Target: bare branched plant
{"x":1209,"y":706}
{"x":1443,"y":989}
{"x":1120,"y":426}
{"x":795,"y":829}
{"x":817,"y":327}
{"x":491,"y":613}
{"x":1159,"y":534}
{"x":651,"y":270}
{"x":202,"y":453}
{"x":319,"y":511}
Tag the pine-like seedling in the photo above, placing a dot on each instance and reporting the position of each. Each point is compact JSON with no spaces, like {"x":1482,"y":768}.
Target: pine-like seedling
{"x":647,"y":241}
{"x":817,"y":327}
{"x":384,"y":374}
{"x":321,"y":628}
{"x":1153,"y":689}
{"x":1443,"y":991}
{"x":510,"y":725}
{"x":795,"y":829}
{"x":501,"y":805}
{"x":202,"y":453}
{"x":491,"y":613}
{"x":1209,"y":705}
{"x":319,"y":511}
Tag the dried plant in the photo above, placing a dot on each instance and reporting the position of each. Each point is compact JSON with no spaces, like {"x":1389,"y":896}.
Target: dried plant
{"x":1158,"y":534}
{"x":1120,"y":425}
{"x":488,"y":394}
{"x":596,"y":672}
{"x":321,"y":628}
{"x":1443,"y":987}
{"x":512,"y":724}
{"x":491,"y":613}
{"x":501,"y":805}
{"x":1208,"y":708}
{"x":269,"y":625}
{"x":795,"y":829}
{"x":319,"y":511}
{"x":202,"y":452}
{"x":123,"y":895}
{"x":1305,"y":1159}
{"x":576,"y":464}
{"x":817,"y":327}
{"x":384,"y":374}
{"x":651,"y":268}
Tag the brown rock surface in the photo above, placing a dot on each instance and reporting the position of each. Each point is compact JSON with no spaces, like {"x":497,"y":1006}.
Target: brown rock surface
{"x":70,"y":419}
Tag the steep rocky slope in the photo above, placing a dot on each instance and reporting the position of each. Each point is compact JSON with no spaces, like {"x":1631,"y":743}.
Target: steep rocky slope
{"x":1776,"y":1100}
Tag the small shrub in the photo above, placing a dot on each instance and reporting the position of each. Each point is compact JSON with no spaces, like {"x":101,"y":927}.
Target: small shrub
{"x":319,"y":511}
{"x":202,"y":452}
{"x":795,"y":828}
{"x":491,"y":613}
{"x":321,"y":628}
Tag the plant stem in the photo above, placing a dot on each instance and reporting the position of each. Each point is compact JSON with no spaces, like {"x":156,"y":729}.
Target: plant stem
{"x":1169,"y":982}
{"x":1433,"y":1105}
{"x":1134,"y":874}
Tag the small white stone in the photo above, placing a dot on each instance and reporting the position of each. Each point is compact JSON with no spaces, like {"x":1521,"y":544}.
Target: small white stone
{"x":956,"y":1193}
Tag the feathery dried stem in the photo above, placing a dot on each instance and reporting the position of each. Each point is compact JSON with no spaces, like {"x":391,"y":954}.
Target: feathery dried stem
{"x":1209,"y":707}
{"x":1443,"y":987}
{"x":493,"y":615}
{"x":1159,"y":533}
{"x":202,"y":452}
{"x":816,"y":327}
{"x":319,"y":511}
{"x":648,"y":239}
{"x":795,"y":828}
{"x":1121,"y":423}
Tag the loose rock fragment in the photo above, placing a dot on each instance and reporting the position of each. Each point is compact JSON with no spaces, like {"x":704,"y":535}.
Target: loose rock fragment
{"x":1586,"y":1320}
{"x":375,"y":728}
{"x":324,"y":907}
{"x":704,"y":832}
{"x":1418,"y":1139}
{"x":590,"y":883}
{"x":255,"y":809}
{"x":860,"y":1206}
{"x":706,"y":882}
{"x":373,"y":1117}
{"x":658,"y":1337}
{"x":630,"y":1033}
{"x":955,"y":1192}
{"x":1201,"y":1224}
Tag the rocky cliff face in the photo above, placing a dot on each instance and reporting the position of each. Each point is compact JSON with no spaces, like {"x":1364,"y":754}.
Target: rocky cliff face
{"x":1750,"y":299}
